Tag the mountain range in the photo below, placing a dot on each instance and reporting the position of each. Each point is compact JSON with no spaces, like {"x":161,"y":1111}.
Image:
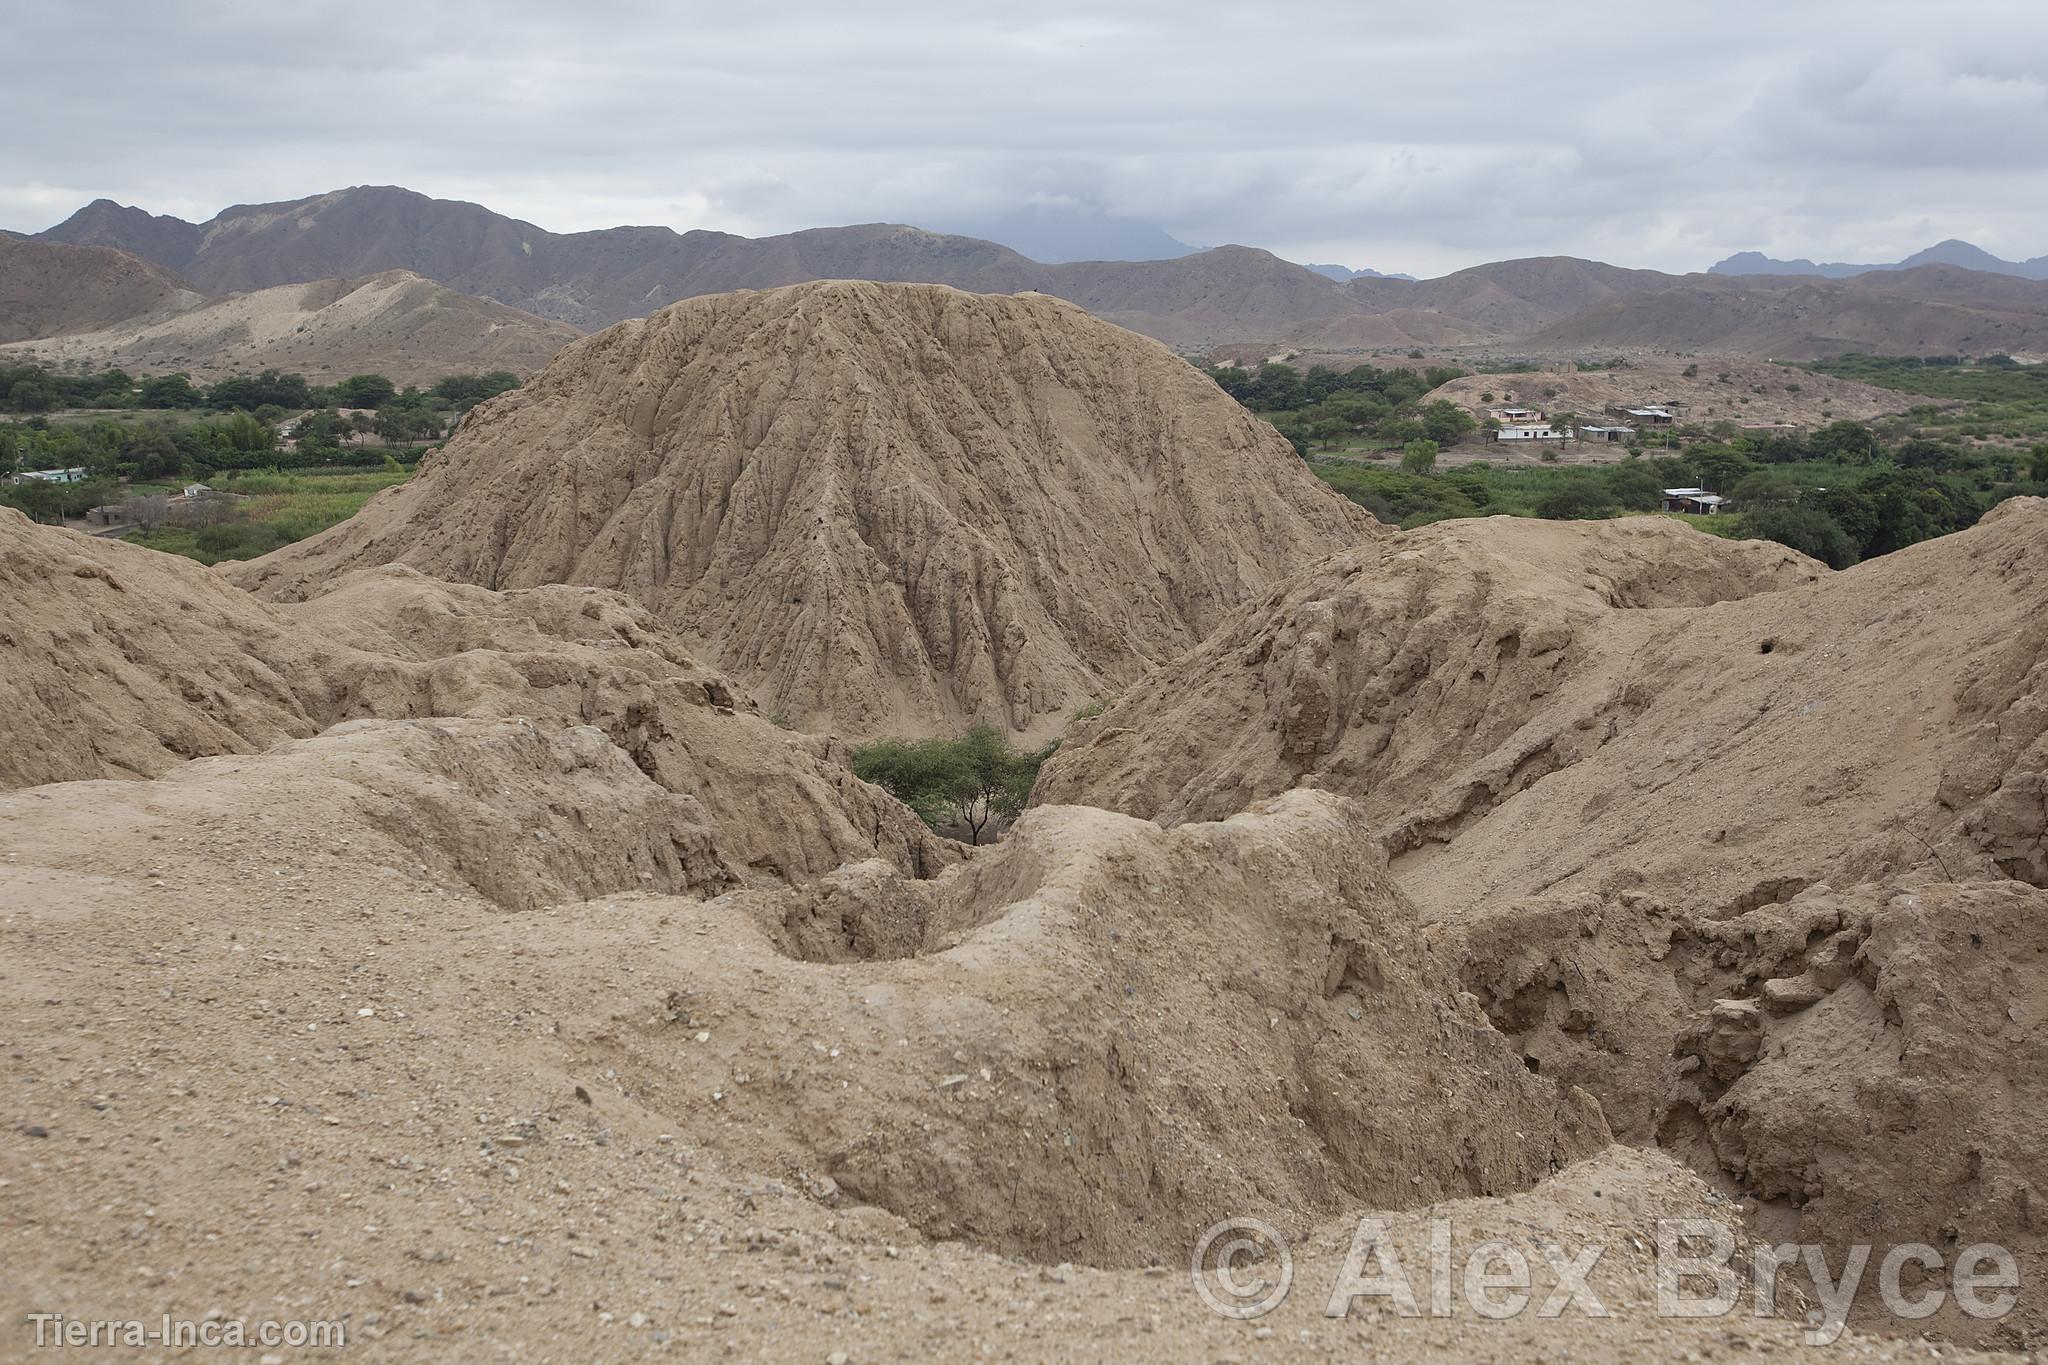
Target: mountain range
{"x":1344,"y":274}
{"x":1950,"y":252}
{"x":1195,"y":301}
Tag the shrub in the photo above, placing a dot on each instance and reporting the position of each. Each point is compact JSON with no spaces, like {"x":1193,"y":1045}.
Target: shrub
{"x":976,"y":782}
{"x":1805,"y":529}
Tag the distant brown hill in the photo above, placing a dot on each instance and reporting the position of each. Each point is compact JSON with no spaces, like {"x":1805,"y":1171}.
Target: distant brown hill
{"x":1926,"y":310}
{"x":1508,"y":298}
{"x":1230,"y":295}
{"x":47,"y":289}
{"x":395,"y":323}
{"x":593,"y":279}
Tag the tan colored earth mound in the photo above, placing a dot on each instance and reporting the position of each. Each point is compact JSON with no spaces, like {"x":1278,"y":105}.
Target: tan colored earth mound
{"x":495,"y":976}
{"x":122,"y":662}
{"x":1528,"y":706}
{"x":1750,"y":850}
{"x":286,"y":1047}
{"x":1099,"y":1037}
{"x":1430,"y":673}
{"x":884,"y":508}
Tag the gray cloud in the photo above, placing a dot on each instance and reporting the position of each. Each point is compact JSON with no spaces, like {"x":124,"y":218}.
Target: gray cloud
{"x":1420,"y":138}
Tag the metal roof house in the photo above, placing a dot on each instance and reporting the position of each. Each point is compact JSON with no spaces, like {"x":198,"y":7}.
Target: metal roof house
{"x":1695,"y":500}
{"x":1649,"y":415}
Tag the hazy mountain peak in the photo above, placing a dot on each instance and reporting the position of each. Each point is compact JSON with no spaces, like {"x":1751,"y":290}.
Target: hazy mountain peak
{"x":1344,"y":274}
{"x":1952,"y":251}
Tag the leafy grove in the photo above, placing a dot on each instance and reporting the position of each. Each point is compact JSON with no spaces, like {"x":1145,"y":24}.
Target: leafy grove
{"x":1842,"y":492}
{"x":132,"y":435}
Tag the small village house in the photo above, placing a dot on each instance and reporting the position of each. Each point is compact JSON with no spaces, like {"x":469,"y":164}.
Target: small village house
{"x":76,"y":474}
{"x":1695,"y":500}
{"x":1530,"y":431}
{"x":1605,"y":433}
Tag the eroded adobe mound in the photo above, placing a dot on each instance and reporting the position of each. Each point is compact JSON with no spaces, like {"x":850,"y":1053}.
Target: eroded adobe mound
{"x":121,"y":662}
{"x":1098,"y":1037}
{"x":1534,"y":706}
{"x":884,"y":508}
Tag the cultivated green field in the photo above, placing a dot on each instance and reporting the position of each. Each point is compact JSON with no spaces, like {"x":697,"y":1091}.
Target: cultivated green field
{"x":274,"y":510}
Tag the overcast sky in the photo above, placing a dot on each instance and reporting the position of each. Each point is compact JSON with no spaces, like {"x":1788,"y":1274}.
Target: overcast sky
{"x":1417,"y":137}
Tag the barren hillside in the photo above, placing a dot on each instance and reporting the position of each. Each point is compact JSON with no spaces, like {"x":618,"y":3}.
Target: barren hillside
{"x":1930,"y":310}
{"x":1753,"y":391}
{"x":885,"y":508}
{"x":47,"y":289}
{"x":1509,"y":298}
{"x":397,"y":324}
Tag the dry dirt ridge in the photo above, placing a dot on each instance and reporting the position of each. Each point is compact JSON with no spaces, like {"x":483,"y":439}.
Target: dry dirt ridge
{"x":501,"y":982}
{"x":1751,"y":851}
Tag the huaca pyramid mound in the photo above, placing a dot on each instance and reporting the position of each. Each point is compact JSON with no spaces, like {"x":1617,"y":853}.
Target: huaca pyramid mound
{"x":883,"y":508}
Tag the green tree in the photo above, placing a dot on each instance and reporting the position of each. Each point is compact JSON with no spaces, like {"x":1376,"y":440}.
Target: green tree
{"x":1844,"y":440}
{"x":1572,"y":502}
{"x":1419,"y":456}
{"x":464,"y":391}
{"x":1805,"y":529}
{"x":1721,"y":468}
{"x":1445,"y":422}
{"x":1924,"y":454}
{"x":364,"y":391}
{"x":1633,"y":487}
{"x":169,"y":391}
{"x":976,"y":782}
{"x":1765,"y":488}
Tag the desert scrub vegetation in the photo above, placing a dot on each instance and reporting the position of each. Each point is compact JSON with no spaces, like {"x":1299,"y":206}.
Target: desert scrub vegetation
{"x":971,"y":787}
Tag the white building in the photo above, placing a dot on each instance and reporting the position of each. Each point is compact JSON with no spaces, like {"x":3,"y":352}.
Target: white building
{"x":1531,"y":431}
{"x":75,"y":474}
